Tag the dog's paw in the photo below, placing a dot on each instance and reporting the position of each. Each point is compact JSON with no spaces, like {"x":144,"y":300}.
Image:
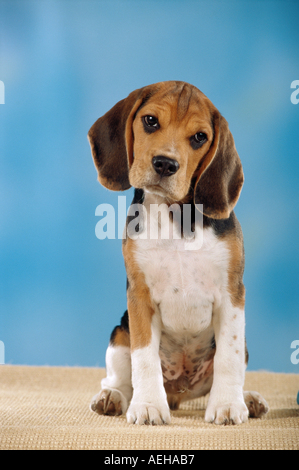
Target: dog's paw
{"x":256,"y":404}
{"x":109,"y":402}
{"x":229,"y":413}
{"x":148,"y":413}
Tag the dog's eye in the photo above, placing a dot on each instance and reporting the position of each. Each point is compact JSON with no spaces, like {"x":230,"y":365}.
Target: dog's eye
{"x":151,"y":123}
{"x":200,"y":137}
{"x":198,"y":140}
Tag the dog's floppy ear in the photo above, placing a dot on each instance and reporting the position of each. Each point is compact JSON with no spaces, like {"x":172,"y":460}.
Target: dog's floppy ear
{"x":111,"y":141}
{"x":220,"y":178}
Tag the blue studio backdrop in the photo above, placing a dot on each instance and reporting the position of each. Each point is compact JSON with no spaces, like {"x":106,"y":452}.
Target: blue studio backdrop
{"x":65,"y":63}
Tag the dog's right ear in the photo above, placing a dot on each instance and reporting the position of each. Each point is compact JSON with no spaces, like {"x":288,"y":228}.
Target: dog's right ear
{"x":111,"y":140}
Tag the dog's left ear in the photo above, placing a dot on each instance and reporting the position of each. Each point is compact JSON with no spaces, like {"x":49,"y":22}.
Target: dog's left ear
{"x":111,"y":140}
{"x":220,"y":179}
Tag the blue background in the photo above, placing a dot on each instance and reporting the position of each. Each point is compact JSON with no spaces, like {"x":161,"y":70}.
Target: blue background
{"x":65,"y":63}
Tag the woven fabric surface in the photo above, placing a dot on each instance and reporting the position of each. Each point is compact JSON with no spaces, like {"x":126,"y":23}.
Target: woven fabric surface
{"x":48,"y":408}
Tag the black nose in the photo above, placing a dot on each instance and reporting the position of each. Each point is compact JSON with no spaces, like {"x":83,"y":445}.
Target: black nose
{"x":165,"y":166}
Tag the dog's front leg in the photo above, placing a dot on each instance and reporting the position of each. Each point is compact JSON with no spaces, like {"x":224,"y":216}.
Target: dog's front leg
{"x":226,"y":402}
{"x":149,"y":402}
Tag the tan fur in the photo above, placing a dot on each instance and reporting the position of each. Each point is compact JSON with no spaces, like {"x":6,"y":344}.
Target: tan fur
{"x":235,"y":284}
{"x":140,"y":307}
{"x":235,"y":270}
{"x":121,"y":338}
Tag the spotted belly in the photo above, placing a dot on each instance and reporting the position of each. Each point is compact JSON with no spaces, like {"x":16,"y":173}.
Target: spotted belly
{"x":187,"y":366}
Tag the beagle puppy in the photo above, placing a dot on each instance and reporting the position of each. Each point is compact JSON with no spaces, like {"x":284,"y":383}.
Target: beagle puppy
{"x":183,"y":334}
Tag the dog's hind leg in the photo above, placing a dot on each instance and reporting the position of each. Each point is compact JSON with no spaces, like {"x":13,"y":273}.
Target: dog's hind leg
{"x":116,"y":392}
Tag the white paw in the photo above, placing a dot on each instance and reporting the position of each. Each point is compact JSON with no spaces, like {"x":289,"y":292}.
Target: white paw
{"x":228,"y":413}
{"x":109,"y":402}
{"x":148,"y":413}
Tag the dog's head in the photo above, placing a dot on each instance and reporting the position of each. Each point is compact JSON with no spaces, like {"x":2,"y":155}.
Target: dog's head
{"x":169,"y":139}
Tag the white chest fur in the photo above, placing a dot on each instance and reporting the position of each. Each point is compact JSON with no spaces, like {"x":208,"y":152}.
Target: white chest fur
{"x":185,"y":284}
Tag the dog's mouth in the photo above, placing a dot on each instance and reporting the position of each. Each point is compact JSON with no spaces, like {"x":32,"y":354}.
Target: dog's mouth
{"x":155,"y":189}
{"x":158,"y":190}
{"x":166,"y":188}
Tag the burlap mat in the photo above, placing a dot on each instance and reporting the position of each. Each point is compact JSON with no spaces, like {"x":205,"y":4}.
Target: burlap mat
{"x":48,"y":408}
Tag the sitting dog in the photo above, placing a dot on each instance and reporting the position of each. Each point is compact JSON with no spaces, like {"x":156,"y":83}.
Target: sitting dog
{"x":183,"y":334}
